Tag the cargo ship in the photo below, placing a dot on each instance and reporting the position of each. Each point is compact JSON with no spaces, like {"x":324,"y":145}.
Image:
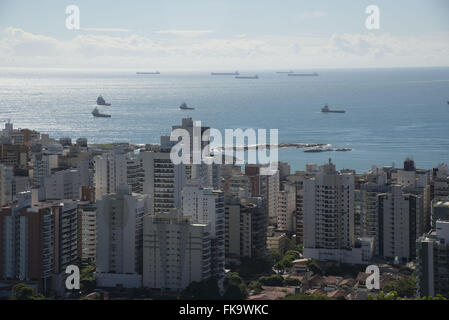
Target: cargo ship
{"x":248,"y":77}
{"x":303,"y":74}
{"x":184,"y":106}
{"x":288,"y":72}
{"x":97,"y":114}
{"x":326,"y":109}
{"x":236,"y":73}
{"x":156,"y":72}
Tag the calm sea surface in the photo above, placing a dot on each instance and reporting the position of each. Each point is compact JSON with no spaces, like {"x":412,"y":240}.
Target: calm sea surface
{"x":390,"y":113}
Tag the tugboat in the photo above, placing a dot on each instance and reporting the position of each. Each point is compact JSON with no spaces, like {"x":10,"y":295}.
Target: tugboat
{"x":102,"y":102}
{"x":97,"y":113}
{"x":184,"y":106}
{"x":326,"y":109}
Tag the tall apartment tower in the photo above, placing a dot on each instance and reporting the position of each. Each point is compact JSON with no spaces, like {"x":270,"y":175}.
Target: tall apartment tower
{"x":163,"y":180}
{"x":88,"y":231}
{"x":286,"y":208}
{"x":134,"y":172}
{"x":6,"y":185}
{"x":297,"y":179}
{"x":370,"y":223}
{"x":440,"y":182}
{"x":119,"y":238}
{"x":206,"y":206}
{"x":266,"y":186}
{"x":329,"y":209}
{"x":328,"y":206}
{"x":110,"y":171}
{"x":401,"y":223}
{"x":245,"y":229}
{"x":39,"y":242}
{"x":432,"y":261}
{"x":42,"y":165}
{"x":176,"y":251}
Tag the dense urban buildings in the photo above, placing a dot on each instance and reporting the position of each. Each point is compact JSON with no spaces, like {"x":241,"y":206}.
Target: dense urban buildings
{"x":142,"y":221}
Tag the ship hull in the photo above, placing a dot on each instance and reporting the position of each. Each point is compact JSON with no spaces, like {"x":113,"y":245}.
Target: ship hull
{"x":303,"y":74}
{"x":334,"y":111}
{"x":225,"y":73}
{"x":102,"y":116}
{"x":247,"y":77}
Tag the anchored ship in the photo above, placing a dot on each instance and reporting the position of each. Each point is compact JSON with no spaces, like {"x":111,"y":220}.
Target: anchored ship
{"x":102,"y":102}
{"x":288,"y":72}
{"x":236,"y":73}
{"x":303,"y":74}
{"x":97,"y":113}
{"x":156,"y":72}
{"x":248,"y":77}
{"x":326,"y":109}
{"x":184,"y":106}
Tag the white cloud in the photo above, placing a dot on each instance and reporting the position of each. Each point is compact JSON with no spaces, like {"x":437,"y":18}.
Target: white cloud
{"x":185,"y":33}
{"x":107,"y":29}
{"x":311,"y":15}
{"x":19,"y":48}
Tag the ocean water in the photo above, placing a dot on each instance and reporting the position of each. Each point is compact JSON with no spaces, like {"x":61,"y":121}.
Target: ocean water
{"x":390,"y":114}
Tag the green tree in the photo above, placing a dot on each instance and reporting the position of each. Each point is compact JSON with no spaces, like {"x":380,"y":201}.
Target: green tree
{"x":304,"y":296}
{"x":405,"y":287}
{"x":314,"y":267}
{"x":204,"y":290}
{"x":291,"y":282}
{"x":274,"y":280}
{"x":87,"y":279}
{"x":255,"y":286}
{"x":251,"y":269}
{"x":235,"y":288}
{"x":23,"y":292}
{"x":393,"y":295}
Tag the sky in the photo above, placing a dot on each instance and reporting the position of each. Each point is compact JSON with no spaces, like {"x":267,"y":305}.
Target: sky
{"x":223,"y":35}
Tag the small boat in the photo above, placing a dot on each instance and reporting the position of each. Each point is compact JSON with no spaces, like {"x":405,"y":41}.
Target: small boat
{"x":326,"y":109}
{"x":101,"y":101}
{"x":248,"y":77}
{"x":184,"y":106}
{"x":97,"y":113}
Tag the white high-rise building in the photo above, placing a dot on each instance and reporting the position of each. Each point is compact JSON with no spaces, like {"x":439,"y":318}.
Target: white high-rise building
{"x":329,"y":209}
{"x":119,"y":238}
{"x":176,"y":251}
{"x":162,"y":180}
{"x":286,"y":208}
{"x":328,"y":206}
{"x":206,"y":206}
{"x":110,"y":172}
